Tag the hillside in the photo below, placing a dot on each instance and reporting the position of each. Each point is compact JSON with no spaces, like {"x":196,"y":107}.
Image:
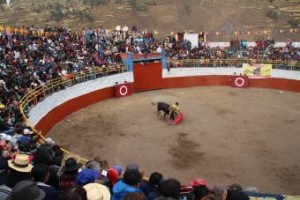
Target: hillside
{"x":163,"y":16}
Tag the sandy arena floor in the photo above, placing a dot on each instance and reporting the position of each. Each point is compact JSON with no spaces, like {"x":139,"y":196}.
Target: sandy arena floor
{"x":246,"y":136}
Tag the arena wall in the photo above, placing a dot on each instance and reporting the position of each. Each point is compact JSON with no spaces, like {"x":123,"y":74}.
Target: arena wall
{"x":60,"y":111}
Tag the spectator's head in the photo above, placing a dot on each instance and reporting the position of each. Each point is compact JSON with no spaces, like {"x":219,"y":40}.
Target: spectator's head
{"x":71,"y":166}
{"x":20,"y":163}
{"x":113,"y":175}
{"x":132,"y":177}
{"x":96,"y":191}
{"x":26,"y":190}
{"x":19,"y":170}
{"x":200,"y":192}
{"x":132,"y":166}
{"x":49,"y":141}
{"x":119,"y":168}
{"x":155,"y":178}
{"x":197,"y":182}
{"x":235,"y":186}
{"x":220,"y":193}
{"x":57,"y":160}
{"x":170,"y":188}
{"x":236,"y":195}
{"x":55,"y":148}
{"x":94,"y":165}
{"x":43,"y":155}
{"x":134,"y":196}
{"x":40,"y":172}
{"x":24,"y":144}
{"x":75,"y":193}
{"x":86,"y":176}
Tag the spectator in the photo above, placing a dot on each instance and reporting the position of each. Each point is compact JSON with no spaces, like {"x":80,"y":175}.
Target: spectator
{"x":19,"y":170}
{"x":236,"y":195}
{"x":40,"y":175}
{"x":86,"y":176}
{"x":150,"y":188}
{"x":113,"y":176}
{"x":129,"y":184}
{"x":69,"y":173}
{"x":96,"y":191}
{"x":74,"y":193}
{"x":200,"y":192}
{"x":55,"y":166}
{"x":26,"y":190}
{"x":169,"y":189}
{"x":220,"y":193}
{"x":43,"y":156}
{"x":119,"y":168}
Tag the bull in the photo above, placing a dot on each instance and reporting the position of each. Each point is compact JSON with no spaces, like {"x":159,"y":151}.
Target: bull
{"x":163,"y":107}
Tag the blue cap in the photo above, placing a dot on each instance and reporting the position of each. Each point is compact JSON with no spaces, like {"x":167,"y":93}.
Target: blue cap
{"x":119,"y":168}
{"x":86,"y":176}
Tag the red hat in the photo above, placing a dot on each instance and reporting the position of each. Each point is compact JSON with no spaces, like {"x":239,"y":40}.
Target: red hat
{"x":197,"y":182}
{"x":113,"y":175}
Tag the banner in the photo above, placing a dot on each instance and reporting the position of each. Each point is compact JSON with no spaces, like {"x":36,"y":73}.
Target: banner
{"x":264,"y":70}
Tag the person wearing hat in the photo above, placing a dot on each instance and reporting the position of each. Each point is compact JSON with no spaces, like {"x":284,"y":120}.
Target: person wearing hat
{"x":18,"y":170}
{"x":69,"y":174}
{"x":26,"y":190}
{"x":119,"y":168}
{"x":113,"y":176}
{"x":86,"y":176}
{"x":96,"y":191}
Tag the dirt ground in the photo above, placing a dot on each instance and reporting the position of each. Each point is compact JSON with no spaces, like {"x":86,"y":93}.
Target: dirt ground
{"x":245,"y":136}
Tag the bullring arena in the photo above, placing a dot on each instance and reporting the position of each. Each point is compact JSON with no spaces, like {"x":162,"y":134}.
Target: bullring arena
{"x":229,"y":135}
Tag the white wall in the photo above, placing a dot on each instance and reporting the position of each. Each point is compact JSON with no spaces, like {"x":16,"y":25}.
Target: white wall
{"x":42,"y":108}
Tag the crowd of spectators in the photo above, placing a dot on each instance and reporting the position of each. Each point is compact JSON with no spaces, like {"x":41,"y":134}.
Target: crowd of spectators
{"x":41,"y":174}
{"x":29,"y":170}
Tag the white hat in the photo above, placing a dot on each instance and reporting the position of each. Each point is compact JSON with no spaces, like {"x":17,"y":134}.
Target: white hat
{"x":96,"y":191}
{"x":49,"y":141}
{"x":26,"y":131}
{"x":5,"y":137}
{"x":20,"y":163}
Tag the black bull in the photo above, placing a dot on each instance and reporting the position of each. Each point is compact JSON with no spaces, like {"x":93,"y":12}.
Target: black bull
{"x":161,"y":106}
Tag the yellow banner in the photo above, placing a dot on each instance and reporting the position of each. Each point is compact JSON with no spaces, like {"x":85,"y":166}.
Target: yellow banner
{"x":264,"y":70}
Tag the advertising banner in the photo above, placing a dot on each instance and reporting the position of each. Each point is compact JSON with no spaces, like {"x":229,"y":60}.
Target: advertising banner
{"x":263,"y":70}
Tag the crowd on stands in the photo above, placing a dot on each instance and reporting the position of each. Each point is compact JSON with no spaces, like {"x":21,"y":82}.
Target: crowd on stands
{"x":37,"y":173}
{"x":30,"y":170}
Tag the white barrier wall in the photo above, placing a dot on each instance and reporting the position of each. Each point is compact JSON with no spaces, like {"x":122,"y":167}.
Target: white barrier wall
{"x":42,"y":108}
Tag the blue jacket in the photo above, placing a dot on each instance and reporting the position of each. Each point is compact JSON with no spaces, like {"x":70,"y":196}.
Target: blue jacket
{"x":120,"y":189}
